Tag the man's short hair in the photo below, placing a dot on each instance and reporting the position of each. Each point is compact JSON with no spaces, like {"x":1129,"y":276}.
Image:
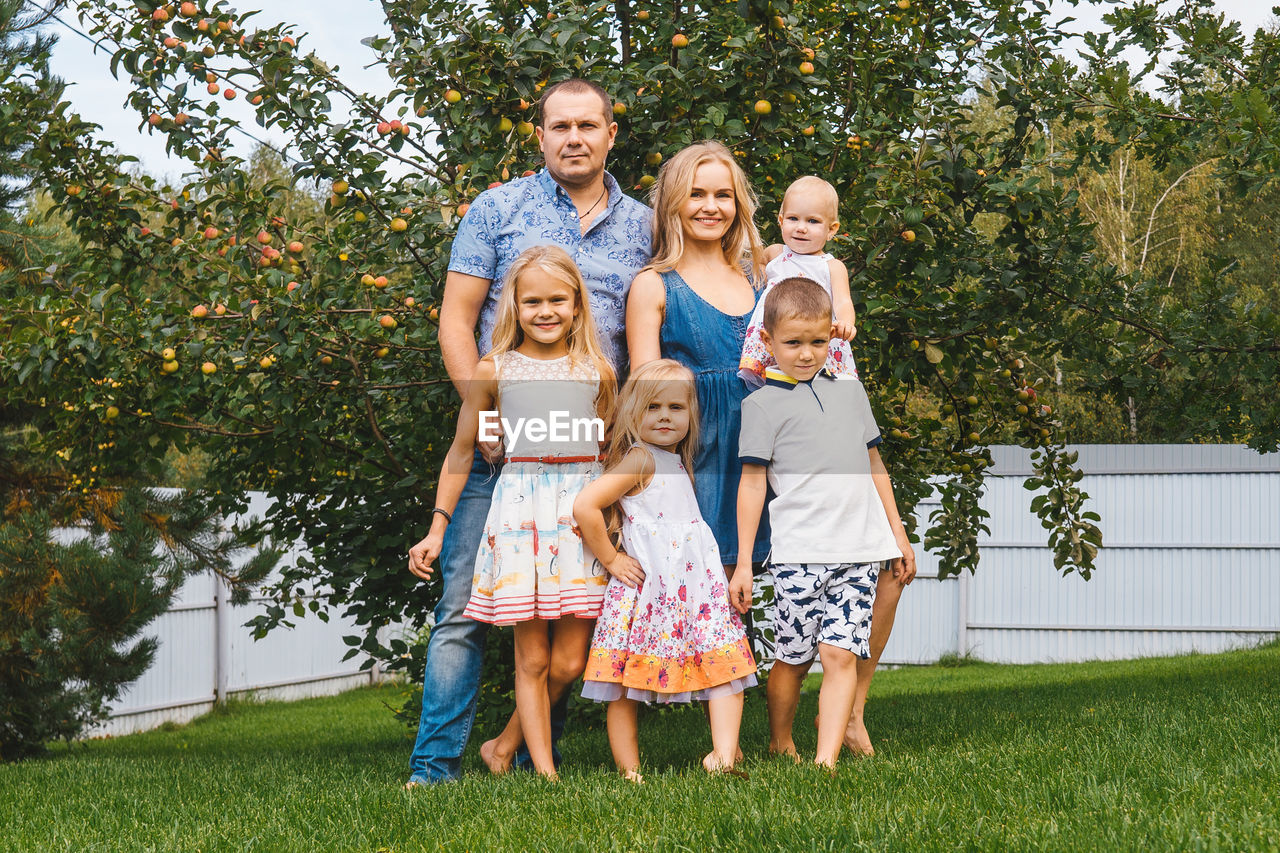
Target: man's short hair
{"x":575,"y":86}
{"x":795,"y":297}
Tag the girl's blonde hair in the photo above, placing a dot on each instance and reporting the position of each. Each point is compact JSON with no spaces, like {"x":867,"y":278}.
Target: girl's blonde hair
{"x":583,"y":342}
{"x":741,"y":243}
{"x":641,"y":387}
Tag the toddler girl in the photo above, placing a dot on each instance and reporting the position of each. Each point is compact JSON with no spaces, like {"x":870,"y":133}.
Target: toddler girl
{"x":666,"y":632}
{"x":532,"y":568}
{"x":808,"y":219}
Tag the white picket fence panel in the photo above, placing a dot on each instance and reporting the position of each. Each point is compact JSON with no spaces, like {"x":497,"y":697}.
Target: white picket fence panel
{"x":1190,"y":563}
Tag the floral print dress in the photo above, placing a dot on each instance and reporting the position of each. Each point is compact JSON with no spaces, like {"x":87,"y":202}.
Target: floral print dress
{"x":674,"y":638}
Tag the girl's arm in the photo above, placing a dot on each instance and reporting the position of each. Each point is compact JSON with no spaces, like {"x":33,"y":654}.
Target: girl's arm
{"x":645,"y":305}
{"x":482,"y":392}
{"x":773,"y":251}
{"x":841,"y":302}
{"x":632,"y":473}
{"x":751,"y":495}
{"x":904,"y":568}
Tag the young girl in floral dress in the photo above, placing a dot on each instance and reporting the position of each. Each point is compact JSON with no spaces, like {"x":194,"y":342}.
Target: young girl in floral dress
{"x":666,"y":632}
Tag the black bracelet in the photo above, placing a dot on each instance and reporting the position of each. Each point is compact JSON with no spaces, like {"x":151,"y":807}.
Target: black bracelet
{"x":448,"y":518}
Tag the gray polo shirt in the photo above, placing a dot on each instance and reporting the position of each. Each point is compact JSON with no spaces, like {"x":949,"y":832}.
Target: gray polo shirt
{"x":814,"y":439}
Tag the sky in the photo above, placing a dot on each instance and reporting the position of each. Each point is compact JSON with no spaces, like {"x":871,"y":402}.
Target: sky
{"x":333,"y":29}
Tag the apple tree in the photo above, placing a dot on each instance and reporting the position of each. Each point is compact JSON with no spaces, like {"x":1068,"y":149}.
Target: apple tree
{"x":296,"y":345}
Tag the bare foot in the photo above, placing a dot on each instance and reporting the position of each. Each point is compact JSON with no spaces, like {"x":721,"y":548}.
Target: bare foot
{"x":857,"y":739}
{"x":715,"y":765}
{"x":634,"y":777}
{"x":785,"y":750}
{"x":497,"y":763}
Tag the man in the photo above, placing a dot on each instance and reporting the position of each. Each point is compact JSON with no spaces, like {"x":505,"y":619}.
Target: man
{"x":573,"y":203}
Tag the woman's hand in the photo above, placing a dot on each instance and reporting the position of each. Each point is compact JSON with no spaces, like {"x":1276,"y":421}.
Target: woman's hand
{"x":422,"y":555}
{"x":625,"y":568}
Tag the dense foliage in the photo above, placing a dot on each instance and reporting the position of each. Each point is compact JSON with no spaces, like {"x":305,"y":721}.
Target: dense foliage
{"x":296,"y":345}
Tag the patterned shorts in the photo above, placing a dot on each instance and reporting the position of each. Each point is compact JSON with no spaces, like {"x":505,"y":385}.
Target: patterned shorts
{"x":822,"y":603}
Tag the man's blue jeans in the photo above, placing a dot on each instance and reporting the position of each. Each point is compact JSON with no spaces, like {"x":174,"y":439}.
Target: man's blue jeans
{"x":455,"y":649}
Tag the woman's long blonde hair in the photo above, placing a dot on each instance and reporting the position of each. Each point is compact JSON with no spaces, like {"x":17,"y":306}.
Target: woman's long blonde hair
{"x":583,"y":342}
{"x":633,"y":401}
{"x":741,"y":243}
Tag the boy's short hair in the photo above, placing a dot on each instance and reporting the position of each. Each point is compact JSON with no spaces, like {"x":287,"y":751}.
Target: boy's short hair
{"x":823,"y":189}
{"x":795,"y":297}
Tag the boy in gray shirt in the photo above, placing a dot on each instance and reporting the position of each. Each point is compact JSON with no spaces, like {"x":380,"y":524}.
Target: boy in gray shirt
{"x":833,"y":516}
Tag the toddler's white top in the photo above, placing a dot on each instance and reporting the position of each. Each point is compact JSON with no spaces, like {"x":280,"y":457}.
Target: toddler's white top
{"x":792,"y":265}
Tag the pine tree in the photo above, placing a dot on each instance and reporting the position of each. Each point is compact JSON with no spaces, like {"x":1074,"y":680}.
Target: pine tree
{"x":28,"y":91}
{"x":75,"y":600}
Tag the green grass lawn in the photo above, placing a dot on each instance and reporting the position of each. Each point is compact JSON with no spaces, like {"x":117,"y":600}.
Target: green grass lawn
{"x":1161,"y":754}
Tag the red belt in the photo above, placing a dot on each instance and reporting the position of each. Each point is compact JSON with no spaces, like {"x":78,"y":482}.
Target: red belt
{"x":555,"y":459}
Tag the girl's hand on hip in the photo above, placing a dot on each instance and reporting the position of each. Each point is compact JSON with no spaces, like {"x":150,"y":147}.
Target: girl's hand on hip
{"x":422,"y":555}
{"x":625,"y":568}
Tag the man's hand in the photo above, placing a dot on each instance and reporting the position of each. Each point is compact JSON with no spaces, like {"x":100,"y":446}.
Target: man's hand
{"x":625,"y":568}
{"x":424,"y":553}
{"x":740,"y":588}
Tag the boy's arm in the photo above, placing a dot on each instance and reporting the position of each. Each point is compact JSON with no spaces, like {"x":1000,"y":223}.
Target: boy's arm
{"x":904,"y":567}
{"x":481,"y":391}
{"x":635,"y":470}
{"x":841,"y":302}
{"x":751,"y":494}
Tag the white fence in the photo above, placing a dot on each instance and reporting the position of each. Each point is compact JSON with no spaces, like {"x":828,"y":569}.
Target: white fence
{"x":206,"y":654}
{"x":1191,"y":562}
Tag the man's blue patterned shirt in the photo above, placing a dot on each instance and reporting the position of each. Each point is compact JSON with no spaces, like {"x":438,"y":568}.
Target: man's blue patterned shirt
{"x":536,"y":211}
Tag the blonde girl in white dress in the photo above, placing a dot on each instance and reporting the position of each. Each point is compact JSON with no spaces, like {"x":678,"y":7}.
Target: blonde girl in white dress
{"x":532,"y":569}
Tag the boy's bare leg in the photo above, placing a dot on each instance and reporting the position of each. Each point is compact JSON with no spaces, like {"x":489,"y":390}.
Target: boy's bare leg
{"x":725,"y":713}
{"x":888,"y":591}
{"x":624,"y":737}
{"x":782,"y":695}
{"x":835,"y":701}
